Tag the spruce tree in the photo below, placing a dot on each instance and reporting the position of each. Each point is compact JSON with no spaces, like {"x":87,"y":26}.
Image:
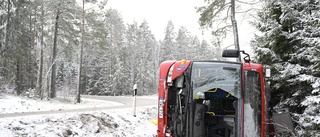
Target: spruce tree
{"x":289,"y":44}
{"x":167,"y":46}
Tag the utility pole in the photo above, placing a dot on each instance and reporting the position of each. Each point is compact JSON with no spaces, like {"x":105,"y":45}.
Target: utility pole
{"x":79,"y":89}
{"x":235,"y":29}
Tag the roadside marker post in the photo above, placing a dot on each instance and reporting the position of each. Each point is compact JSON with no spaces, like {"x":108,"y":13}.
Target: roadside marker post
{"x":134,"y":99}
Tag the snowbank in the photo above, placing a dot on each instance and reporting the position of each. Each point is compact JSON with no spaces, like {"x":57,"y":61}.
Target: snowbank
{"x":106,"y":123}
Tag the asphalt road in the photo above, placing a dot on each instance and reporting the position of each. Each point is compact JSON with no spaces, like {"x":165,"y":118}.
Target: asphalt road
{"x":126,"y":102}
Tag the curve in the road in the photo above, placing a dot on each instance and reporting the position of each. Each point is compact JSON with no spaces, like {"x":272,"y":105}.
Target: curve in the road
{"x":126,"y":101}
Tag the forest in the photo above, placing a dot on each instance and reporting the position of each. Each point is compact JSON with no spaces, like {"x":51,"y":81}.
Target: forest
{"x":43,"y":43}
{"x":56,"y":48}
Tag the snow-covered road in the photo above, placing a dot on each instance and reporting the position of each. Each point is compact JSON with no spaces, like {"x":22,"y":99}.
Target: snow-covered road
{"x":27,"y":107}
{"x":95,"y":116}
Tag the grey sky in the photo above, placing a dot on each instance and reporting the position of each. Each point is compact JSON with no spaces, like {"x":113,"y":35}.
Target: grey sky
{"x":182,"y":13}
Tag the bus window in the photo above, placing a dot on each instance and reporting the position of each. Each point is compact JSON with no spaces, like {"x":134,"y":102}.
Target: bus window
{"x":252,"y":104}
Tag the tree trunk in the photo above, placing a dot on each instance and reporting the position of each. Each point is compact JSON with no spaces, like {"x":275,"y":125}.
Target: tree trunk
{"x":8,"y":25}
{"x":235,"y":28}
{"x":40,"y":90}
{"x":80,"y":58}
{"x":31,"y":62}
{"x":54,"y":54}
{"x":18,"y":77}
{"x":18,"y":54}
{"x":6,"y":44}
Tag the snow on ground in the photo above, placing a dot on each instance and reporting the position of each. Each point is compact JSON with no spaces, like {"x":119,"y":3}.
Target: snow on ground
{"x":106,"y":123}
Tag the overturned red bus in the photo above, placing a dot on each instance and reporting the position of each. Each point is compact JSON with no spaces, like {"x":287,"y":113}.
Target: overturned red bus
{"x":213,"y":98}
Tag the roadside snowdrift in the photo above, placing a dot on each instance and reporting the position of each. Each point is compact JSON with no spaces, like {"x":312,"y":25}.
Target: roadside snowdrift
{"x":106,"y":123}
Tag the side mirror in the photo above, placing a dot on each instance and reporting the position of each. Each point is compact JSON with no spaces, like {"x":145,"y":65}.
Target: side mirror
{"x":232,"y":53}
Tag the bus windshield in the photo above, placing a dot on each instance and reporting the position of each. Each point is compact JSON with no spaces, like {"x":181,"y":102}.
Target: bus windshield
{"x":208,"y":76}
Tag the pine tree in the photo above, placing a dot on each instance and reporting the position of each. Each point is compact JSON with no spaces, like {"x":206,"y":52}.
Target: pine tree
{"x":183,"y":44}
{"x":289,"y":44}
{"x":16,"y":52}
{"x":116,"y":29}
{"x":146,"y":71}
{"x":167,"y":45}
{"x":132,"y":51}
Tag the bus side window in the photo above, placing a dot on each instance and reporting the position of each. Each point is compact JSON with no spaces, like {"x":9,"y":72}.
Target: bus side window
{"x":252,"y":103}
